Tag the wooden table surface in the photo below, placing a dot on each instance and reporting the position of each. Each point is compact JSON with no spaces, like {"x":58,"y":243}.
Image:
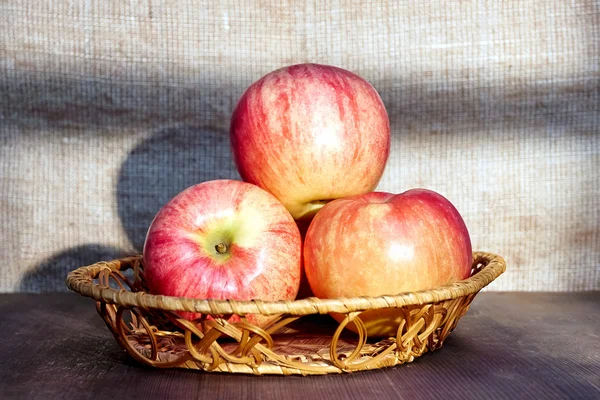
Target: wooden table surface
{"x":508,"y":346}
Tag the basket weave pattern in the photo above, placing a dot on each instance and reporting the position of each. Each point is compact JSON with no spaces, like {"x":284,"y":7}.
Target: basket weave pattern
{"x":294,"y":342}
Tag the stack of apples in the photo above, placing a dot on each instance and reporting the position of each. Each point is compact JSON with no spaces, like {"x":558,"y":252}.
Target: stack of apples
{"x":311,"y":143}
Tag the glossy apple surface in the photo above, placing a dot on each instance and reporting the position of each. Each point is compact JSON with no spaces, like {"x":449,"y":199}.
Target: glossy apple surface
{"x":385,"y":244}
{"x":223,"y":239}
{"x":310,"y":133}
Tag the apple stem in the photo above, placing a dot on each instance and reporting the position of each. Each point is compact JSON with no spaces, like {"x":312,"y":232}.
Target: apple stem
{"x":221,"y":248}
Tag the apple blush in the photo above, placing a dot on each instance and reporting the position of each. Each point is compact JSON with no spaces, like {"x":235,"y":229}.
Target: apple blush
{"x":384,"y":244}
{"x":224,"y":239}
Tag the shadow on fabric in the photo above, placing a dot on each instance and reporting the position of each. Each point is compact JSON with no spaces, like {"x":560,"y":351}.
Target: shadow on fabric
{"x":162,"y":166}
{"x":50,"y":275}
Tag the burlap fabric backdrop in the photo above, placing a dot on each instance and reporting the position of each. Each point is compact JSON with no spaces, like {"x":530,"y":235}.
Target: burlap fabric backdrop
{"x":109,"y":108}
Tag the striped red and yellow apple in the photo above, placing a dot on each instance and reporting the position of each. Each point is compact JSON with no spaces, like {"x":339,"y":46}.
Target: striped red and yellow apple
{"x":384,"y":244}
{"x":310,"y":133}
{"x":224,"y":239}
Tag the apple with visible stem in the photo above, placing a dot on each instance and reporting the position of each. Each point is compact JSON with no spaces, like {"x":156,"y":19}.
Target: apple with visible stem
{"x":224,"y":239}
{"x":384,"y":244}
{"x":310,"y":133}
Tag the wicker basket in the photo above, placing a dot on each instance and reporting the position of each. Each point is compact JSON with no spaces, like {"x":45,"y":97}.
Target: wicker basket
{"x":299,"y":340}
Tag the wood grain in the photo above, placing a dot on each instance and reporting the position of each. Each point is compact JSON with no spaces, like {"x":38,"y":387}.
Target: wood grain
{"x":509,"y":345}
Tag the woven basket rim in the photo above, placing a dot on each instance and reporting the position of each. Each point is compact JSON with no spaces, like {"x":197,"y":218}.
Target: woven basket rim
{"x":81,"y":281}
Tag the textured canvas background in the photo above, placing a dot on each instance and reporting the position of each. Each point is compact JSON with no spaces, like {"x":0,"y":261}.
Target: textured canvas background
{"x":109,"y":108}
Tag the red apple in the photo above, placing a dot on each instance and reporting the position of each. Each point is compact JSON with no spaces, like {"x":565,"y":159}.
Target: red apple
{"x":224,"y":239}
{"x":310,"y":133}
{"x":385,"y":244}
